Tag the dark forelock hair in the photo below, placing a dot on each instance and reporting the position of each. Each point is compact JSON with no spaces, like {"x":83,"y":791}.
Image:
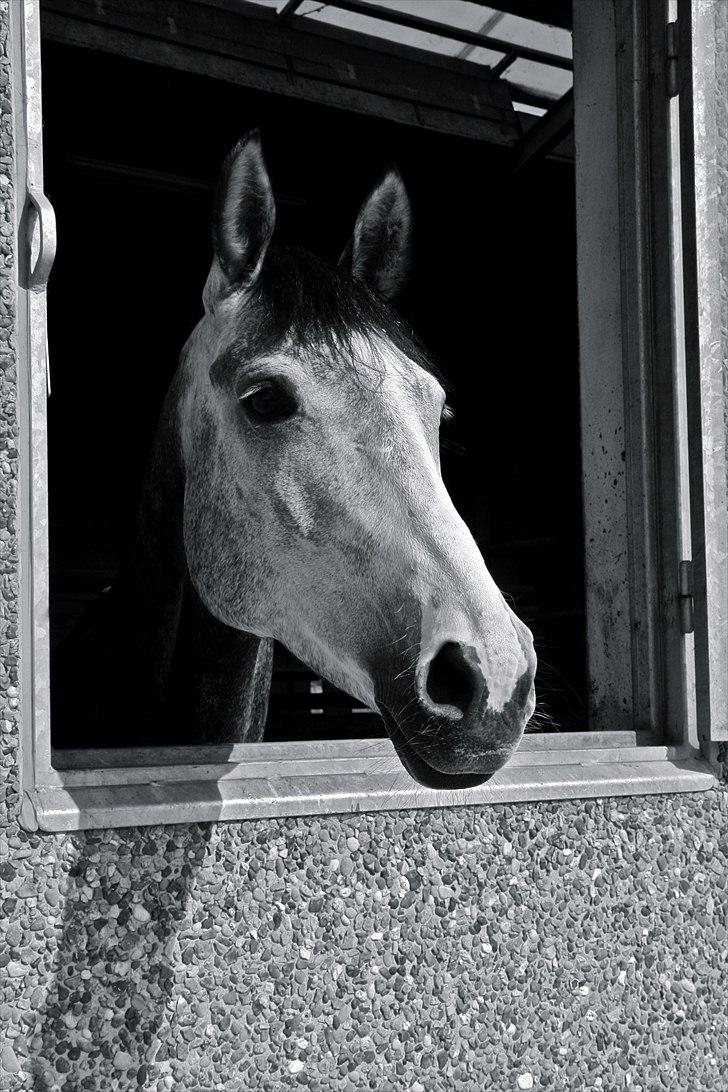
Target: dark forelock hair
{"x":300,"y":300}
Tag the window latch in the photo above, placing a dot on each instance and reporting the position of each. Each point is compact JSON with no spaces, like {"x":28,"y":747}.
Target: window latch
{"x":685,"y":600}
{"x":42,"y":245}
{"x":671,"y":74}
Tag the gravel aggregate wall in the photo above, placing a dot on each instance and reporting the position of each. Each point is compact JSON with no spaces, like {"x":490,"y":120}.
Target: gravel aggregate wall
{"x":553,"y":946}
{"x":564,"y":946}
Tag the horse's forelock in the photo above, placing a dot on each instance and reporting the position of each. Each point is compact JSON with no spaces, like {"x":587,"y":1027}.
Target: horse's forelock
{"x":301,"y":303}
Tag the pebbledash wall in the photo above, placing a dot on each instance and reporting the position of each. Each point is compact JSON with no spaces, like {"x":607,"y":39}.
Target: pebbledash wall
{"x":560,"y":946}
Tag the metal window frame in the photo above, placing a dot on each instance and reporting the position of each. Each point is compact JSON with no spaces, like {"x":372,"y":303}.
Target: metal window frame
{"x":701,"y":24}
{"x":634,"y":505}
{"x":95,"y":789}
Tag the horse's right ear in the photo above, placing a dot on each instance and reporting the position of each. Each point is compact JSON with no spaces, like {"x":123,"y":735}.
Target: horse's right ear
{"x":379,"y":250}
{"x":244,"y":213}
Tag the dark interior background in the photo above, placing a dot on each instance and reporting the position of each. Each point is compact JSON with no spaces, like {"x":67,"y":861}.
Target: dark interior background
{"x":132,"y":152}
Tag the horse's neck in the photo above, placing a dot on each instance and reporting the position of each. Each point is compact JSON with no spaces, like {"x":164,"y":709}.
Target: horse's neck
{"x":219,"y":679}
{"x":208,"y":683}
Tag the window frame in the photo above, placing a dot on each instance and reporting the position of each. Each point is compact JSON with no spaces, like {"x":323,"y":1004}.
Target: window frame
{"x":705,"y":354}
{"x":646,"y":750}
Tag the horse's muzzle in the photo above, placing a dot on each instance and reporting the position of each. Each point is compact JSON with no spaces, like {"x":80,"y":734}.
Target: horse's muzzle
{"x":443,"y":726}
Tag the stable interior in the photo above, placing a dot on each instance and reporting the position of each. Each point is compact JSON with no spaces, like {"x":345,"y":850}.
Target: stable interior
{"x":132,"y":151}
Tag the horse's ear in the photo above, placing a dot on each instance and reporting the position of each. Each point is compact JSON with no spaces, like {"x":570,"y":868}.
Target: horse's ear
{"x":378,"y":251}
{"x":244,"y":213}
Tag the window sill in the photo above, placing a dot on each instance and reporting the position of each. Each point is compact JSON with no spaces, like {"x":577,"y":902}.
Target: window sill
{"x":556,"y":767}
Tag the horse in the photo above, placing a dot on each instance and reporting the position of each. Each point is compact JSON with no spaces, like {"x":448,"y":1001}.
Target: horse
{"x":294,"y":493}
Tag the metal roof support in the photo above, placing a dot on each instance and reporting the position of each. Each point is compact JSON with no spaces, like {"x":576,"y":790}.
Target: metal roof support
{"x":289,"y":8}
{"x":505,"y":62}
{"x":554,"y":13}
{"x":547,"y":132}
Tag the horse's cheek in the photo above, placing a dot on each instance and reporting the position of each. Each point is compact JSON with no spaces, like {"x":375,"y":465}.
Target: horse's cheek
{"x":213,"y":553}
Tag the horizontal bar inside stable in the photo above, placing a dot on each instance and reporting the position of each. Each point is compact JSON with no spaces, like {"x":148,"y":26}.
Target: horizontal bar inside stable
{"x":373,"y":766}
{"x":308,"y":750}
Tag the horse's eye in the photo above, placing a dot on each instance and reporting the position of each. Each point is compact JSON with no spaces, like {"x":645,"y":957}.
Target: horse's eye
{"x":448,"y":414}
{"x":268,"y":403}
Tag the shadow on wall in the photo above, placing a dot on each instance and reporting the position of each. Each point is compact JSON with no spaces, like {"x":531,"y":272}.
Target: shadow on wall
{"x":122,"y":972}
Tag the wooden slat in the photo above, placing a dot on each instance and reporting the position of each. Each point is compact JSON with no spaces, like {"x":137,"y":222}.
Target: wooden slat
{"x":388,"y":764}
{"x":310,"y":750}
{"x":547,"y":133}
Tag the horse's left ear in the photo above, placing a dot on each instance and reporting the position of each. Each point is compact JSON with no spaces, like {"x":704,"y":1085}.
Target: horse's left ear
{"x":378,"y":251}
{"x":245,"y":213}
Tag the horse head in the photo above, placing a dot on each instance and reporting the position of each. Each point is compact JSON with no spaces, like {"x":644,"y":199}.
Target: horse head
{"x":314,"y":507}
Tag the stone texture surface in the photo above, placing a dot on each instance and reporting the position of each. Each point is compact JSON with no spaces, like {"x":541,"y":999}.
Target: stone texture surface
{"x":577,"y":946}
{"x":557,"y":946}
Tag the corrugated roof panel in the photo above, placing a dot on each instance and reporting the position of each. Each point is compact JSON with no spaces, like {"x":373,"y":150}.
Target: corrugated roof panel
{"x":451,"y":13}
{"x":538,"y":78}
{"x":376,"y":28}
{"x":527,"y":32}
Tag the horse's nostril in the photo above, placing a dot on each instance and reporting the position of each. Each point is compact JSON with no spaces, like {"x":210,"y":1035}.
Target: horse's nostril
{"x":450,"y":678}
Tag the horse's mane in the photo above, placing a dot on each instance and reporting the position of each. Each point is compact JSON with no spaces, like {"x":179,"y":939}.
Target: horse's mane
{"x":302,"y":301}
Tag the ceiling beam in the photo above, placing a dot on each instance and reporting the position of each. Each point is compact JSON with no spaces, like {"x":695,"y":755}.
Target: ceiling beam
{"x":300,"y":58}
{"x":547,"y":133}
